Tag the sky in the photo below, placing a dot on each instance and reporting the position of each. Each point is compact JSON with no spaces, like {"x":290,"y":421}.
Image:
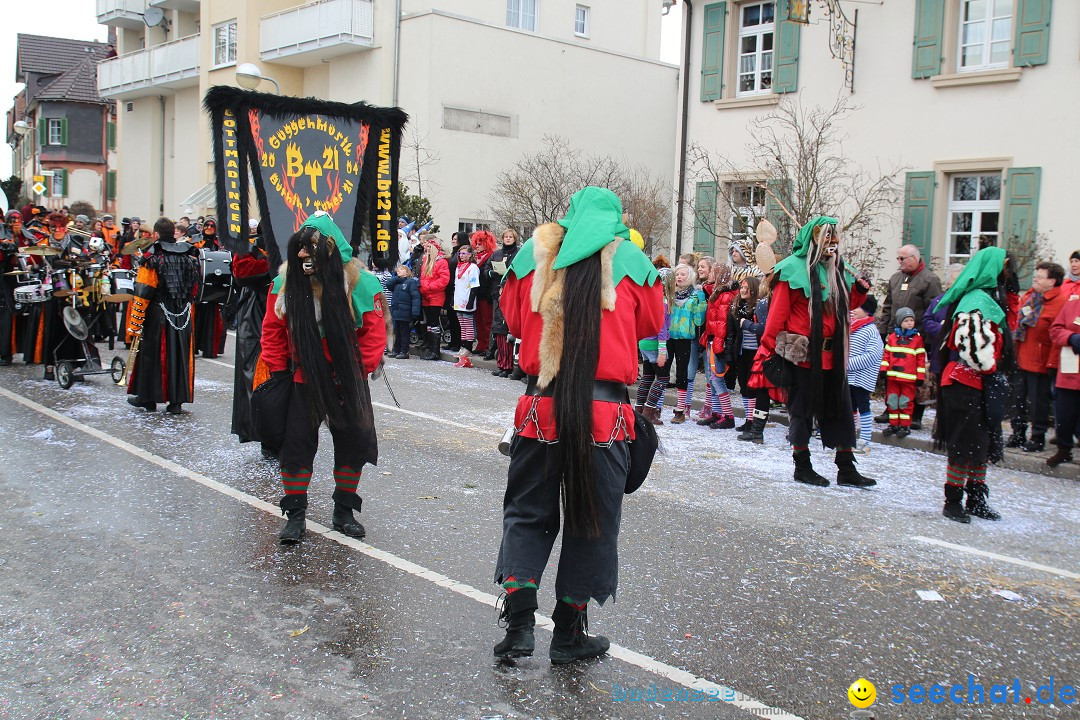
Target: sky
{"x":78,"y":19}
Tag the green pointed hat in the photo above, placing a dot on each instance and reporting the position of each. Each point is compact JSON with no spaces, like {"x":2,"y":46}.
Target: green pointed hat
{"x":593,"y":221}
{"x":806,"y":234}
{"x":321,"y":221}
{"x":968,"y":291}
{"x":792,"y":269}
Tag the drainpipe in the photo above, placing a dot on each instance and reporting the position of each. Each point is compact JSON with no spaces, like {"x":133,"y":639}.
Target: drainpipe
{"x":683,"y":135}
{"x":397,"y":50}
{"x":161,"y":179}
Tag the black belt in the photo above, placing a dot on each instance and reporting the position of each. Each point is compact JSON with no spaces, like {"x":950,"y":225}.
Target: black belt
{"x":826,"y":344}
{"x":603,"y":390}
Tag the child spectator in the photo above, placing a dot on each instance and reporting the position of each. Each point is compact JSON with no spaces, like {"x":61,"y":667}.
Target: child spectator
{"x":655,"y":369}
{"x":864,"y":362}
{"x":404,"y":308}
{"x":687,"y":311}
{"x":762,"y":402}
{"x":904,"y":363}
{"x":715,"y":334}
{"x":466,"y":295}
{"x":434,"y":276}
{"x":742,"y":342}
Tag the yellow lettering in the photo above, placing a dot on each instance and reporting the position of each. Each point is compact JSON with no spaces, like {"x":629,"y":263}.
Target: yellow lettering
{"x":274,"y":142}
{"x":294,"y":161}
{"x":382,"y":246}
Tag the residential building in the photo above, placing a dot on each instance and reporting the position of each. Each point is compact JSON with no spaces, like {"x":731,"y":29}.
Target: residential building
{"x":71,"y":134}
{"x":975,"y":101}
{"x":483,"y":83}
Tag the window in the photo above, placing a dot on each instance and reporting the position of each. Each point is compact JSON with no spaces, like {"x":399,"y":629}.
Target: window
{"x":225,"y":44}
{"x":56,"y":131}
{"x":985,"y":34}
{"x":521,"y":14}
{"x":581,"y":21}
{"x":747,"y":208}
{"x":974,"y":215}
{"x":756,"y":25}
{"x":57,"y":185}
{"x":471,"y":226}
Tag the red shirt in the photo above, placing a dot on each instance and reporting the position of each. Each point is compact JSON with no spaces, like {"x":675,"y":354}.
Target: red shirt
{"x":790,"y":310}
{"x":638,"y":314}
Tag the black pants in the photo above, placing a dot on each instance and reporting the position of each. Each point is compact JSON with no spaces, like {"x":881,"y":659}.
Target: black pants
{"x":432,"y":314}
{"x":679,"y":352}
{"x":1032,"y":400}
{"x":455,"y":329}
{"x":744,"y":363}
{"x":1067,"y":416}
{"x":837,"y":427}
{"x":402,"y":330}
{"x":302,"y":438}
{"x":7,"y":316}
{"x":588,"y":567}
{"x":860,"y":398}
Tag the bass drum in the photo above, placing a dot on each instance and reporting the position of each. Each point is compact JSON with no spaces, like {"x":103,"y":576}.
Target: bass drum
{"x":216,"y":285}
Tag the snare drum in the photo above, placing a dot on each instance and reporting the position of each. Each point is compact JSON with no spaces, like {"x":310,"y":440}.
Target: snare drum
{"x":33,"y":293}
{"x":216,"y":269}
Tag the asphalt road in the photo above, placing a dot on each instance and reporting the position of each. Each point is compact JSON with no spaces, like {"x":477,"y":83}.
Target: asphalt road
{"x":140,"y":575}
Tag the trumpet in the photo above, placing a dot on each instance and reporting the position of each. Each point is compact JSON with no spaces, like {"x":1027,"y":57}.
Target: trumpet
{"x":74,"y":230}
{"x":132,"y":354}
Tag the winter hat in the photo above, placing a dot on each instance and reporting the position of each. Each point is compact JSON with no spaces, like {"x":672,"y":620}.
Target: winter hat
{"x":870,"y":306}
{"x":903,"y":314}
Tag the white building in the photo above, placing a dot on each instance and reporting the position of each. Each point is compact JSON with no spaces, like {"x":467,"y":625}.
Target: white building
{"x":976,"y":99}
{"x":483,"y":83}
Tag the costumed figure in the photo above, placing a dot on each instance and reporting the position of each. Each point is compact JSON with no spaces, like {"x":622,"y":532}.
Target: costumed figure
{"x":483,"y":243}
{"x":578,"y":291}
{"x":160,"y":322}
{"x":979,"y":352}
{"x":904,"y":365}
{"x":44,"y":329}
{"x":11,"y":321}
{"x":251,"y":272}
{"x":504,"y":342}
{"x":326,"y":326}
{"x":209,"y":325}
{"x":743,"y":261}
{"x":808,"y":327}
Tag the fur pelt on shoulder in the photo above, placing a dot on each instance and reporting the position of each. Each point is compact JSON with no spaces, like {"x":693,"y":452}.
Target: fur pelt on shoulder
{"x":974,"y":338}
{"x":548,"y":286}
{"x":353,"y":268}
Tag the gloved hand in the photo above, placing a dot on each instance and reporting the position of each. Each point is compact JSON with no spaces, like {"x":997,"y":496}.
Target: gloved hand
{"x":864,"y":283}
{"x":1074,"y":342}
{"x":378,"y":371}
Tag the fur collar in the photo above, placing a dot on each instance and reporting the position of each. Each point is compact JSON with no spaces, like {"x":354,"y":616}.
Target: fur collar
{"x":547,"y":293}
{"x":353,"y":268}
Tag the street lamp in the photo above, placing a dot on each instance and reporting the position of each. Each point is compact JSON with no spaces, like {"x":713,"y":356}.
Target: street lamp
{"x":248,"y":76}
{"x":22,"y":127}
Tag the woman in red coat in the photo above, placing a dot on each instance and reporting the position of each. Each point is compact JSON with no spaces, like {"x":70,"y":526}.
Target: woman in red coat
{"x":434,"y":277}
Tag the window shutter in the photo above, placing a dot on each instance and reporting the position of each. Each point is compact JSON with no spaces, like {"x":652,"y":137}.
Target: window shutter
{"x":63,"y":183}
{"x":1031,"y":44}
{"x":1021,"y":221}
{"x":919,"y":211}
{"x":110,"y":185}
{"x":43,"y":131}
{"x":786,"y":61}
{"x":63,"y":131}
{"x":712,"y":52}
{"x":775,"y":214}
{"x":929,"y":26}
{"x":705,"y":217}
{"x":110,"y":135}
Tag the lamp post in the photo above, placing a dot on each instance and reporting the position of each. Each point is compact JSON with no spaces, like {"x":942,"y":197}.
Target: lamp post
{"x":21,"y":128}
{"x":248,"y":76}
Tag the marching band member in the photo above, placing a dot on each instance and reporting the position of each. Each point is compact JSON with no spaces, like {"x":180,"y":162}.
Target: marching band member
{"x":209,"y":327}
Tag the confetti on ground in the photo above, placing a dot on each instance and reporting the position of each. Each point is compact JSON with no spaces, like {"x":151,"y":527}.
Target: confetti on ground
{"x":930,"y":596}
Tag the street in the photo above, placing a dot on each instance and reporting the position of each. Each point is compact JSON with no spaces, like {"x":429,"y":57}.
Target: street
{"x":142,"y":577}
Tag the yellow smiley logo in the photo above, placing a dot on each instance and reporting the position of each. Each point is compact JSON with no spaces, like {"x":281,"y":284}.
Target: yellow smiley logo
{"x":862,"y":693}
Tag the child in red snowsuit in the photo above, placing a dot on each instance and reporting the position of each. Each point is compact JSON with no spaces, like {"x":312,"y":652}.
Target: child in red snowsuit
{"x":904,"y":365}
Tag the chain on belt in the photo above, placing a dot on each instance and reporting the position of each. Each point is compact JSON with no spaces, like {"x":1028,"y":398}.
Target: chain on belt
{"x":531,"y":416}
{"x":172,"y":317}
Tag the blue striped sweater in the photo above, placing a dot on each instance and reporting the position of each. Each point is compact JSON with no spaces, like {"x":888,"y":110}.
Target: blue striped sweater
{"x":864,"y":358}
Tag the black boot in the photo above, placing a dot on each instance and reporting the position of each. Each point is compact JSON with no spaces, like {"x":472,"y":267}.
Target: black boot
{"x":882,"y":418}
{"x":1061,"y":455}
{"x":977,"y":496}
{"x":916,"y":417}
{"x":804,"y":470}
{"x":570,"y":641}
{"x":846,"y":474}
{"x":295,"y":507}
{"x":1037,"y":443}
{"x":1018,"y":437}
{"x":344,"y":521}
{"x":954,"y":508}
{"x":519,"y":619}
{"x":756,"y":432}
{"x":434,"y":343}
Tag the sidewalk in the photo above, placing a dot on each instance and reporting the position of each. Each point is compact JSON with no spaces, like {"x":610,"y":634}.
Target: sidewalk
{"x":918,"y":440}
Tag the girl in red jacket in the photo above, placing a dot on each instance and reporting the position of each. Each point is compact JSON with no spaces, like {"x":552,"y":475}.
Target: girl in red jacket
{"x":715,"y":337}
{"x":434,"y":277}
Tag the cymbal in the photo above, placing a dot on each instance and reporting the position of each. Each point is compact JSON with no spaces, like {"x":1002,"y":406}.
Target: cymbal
{"x":40,"y":250}
{"x":135,"y":245}
{"x":118,"y":297}
{"x":18,"y":272}
{"x":63,"y":293}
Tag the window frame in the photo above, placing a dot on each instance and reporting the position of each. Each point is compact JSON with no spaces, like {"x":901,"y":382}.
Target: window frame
{"x":977,"y":208}
{"x":750,"y":214}
{"x":517,"y":8}
{"x":56,"y":184}
{"x":54,"y":125}
{"x":988,"y":41}
{"x":228,"y":45}
{"x":759,"y":31}
{"x":471,"y":226}
{"x":585,"y":18}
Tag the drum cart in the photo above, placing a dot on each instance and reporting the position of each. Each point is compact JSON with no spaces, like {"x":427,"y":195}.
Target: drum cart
{"x":70,"y":369}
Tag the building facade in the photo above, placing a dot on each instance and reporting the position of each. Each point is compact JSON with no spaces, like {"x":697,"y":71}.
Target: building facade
{"x":483,"y":83}
{"x":69,"y":145}
{"x":973,"y":100}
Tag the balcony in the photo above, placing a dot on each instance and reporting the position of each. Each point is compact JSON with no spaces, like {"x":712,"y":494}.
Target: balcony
{"x":187,"y":6}
{"x":121,"y":13}
{"x":306,"y":35}
{"x":168,"y":66}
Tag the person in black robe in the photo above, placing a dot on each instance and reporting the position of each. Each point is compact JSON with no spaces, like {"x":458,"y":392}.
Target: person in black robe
{"x":251,"y":273}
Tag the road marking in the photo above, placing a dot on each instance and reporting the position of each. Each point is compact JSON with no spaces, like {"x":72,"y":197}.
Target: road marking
{"x":682,"y":677}
{"x":218,"y":362}
{"x":995,"y":556}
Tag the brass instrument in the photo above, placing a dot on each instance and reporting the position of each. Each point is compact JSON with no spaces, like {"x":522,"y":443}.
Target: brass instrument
{"x":77,"y":231}
{"x":132,"y":354}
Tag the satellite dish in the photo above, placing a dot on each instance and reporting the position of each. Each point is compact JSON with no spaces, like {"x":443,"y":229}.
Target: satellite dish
{"x":155,"y":16}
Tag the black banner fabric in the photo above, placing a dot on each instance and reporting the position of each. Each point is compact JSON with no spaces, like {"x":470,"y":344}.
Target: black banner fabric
{"x":308,"y":155}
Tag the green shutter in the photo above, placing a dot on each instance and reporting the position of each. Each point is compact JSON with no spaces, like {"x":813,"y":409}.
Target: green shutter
{"x":110,"y":185}
{"x":705,"y":217}
{"x":775,"y":214}
{"x":929,"y":26}
{"x":1021,"y":221}
{"x":919,"y":211}
{"x":786,"y":59}
{"x":63,"y":131}
{"x":1031,"y":43}
{"x":110,"y":135}
{"x":43,"y":131}
{"x":712,"y":52}
{"x":63,"y":183}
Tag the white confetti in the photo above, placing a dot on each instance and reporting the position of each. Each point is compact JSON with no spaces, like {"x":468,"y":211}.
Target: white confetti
{"x":930,"y":596}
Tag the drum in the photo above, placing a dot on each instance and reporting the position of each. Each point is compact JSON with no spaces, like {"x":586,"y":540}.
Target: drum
{"x":123,"y":281}
{"x":216,"y":285}
{"x":61,"y":285}
{"x":33,"y":293}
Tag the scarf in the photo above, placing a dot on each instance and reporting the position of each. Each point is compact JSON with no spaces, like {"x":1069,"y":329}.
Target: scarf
{"x":1073,"y":278}
{"x":902,"y":333}
{"x":1028,"y":319}
{"x":482,"y":256}
{"x":681,"y":296}
{"x":462,"y":268}
{"x":861,"y":323}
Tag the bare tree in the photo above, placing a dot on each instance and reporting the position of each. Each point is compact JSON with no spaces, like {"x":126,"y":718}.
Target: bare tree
{"x":416,"y":157}
{"x":538,"y":187}
{"x":797,"y":161}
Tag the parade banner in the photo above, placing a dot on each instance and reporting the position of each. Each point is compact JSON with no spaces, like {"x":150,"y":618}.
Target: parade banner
{"x":306,"y":155}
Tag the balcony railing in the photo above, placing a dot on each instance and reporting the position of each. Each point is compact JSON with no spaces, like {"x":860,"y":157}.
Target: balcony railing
{"x":170,"y":65}
{"x":121,"y":13}
{"x":311,"y":33}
